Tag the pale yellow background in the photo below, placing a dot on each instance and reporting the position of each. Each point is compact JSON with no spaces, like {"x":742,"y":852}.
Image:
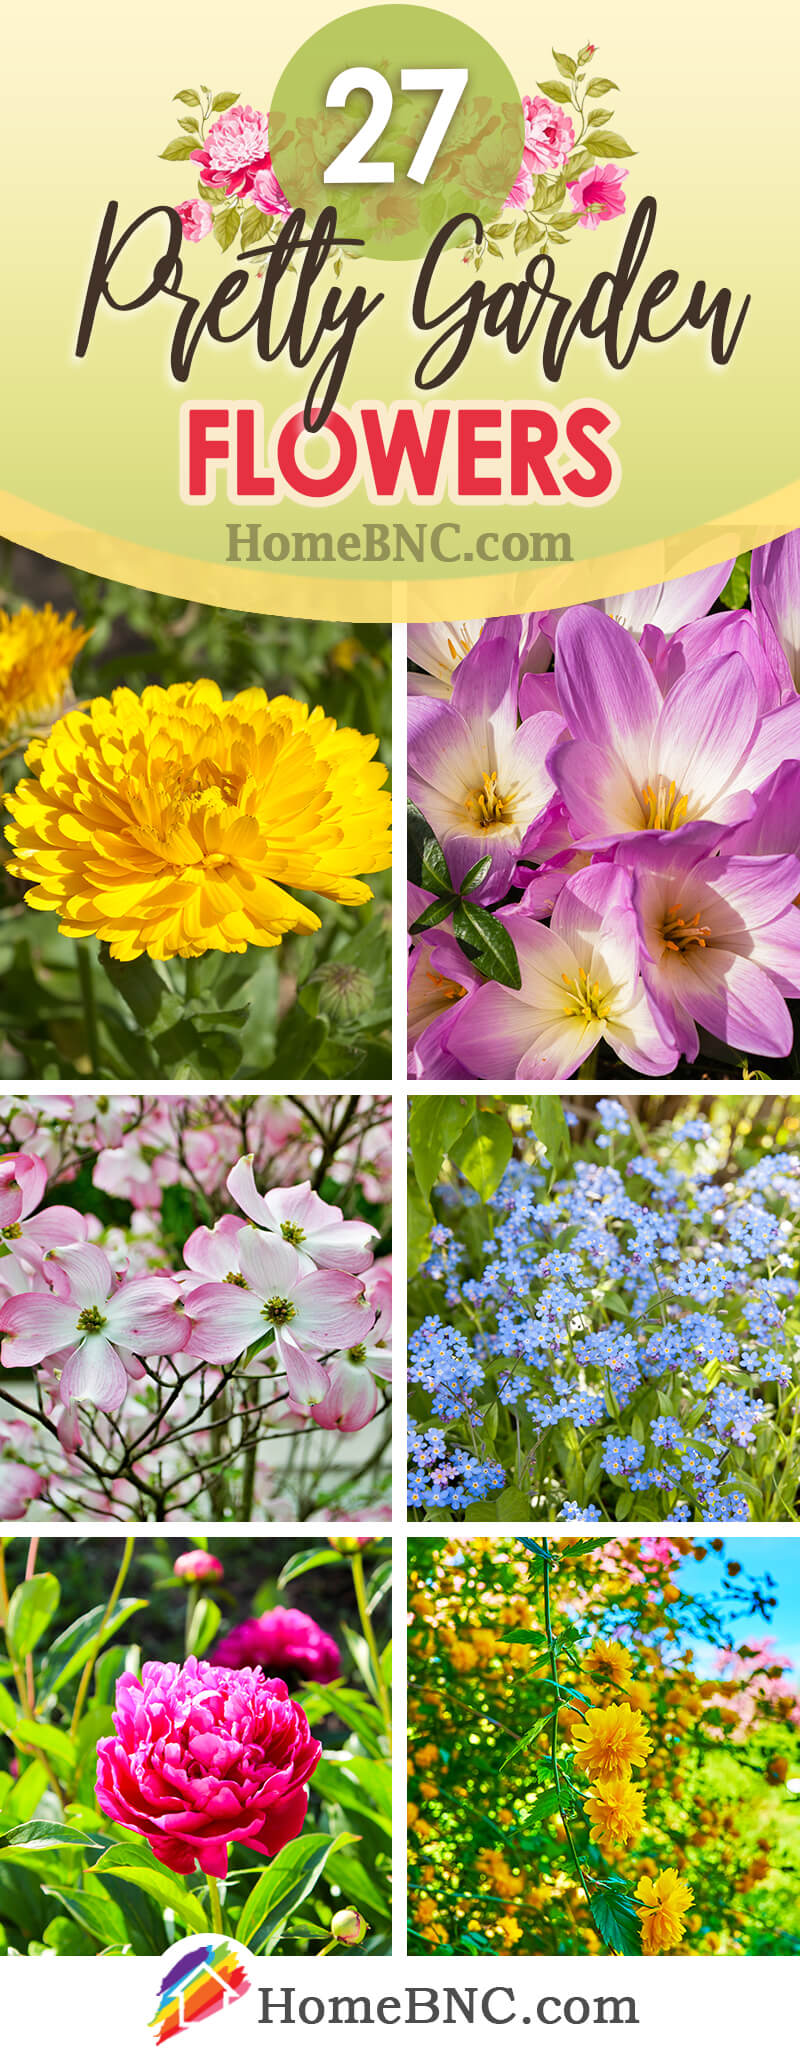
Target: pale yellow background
{"x":89,"y":451}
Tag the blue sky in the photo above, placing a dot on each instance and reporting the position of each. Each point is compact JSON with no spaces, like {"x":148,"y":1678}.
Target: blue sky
{"x":757,"y":1557}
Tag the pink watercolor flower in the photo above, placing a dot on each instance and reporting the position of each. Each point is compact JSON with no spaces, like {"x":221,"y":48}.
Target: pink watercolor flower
{"x":198,"y":1566}
{"x":317,"y":1229}
{"x":549,"y":134}
{"x":521,"y":195}
{"x":285,"y":1639}
{"x":197,"y":219}
{"x":235,"y":150}
{"x":204,"y":1755}
{"x":269,"y":195}
{"x":597,"y":196}
{"x":98,"y":1324}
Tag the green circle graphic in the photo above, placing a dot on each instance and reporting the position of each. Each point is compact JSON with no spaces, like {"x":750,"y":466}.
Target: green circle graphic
{"x":478,"y":159}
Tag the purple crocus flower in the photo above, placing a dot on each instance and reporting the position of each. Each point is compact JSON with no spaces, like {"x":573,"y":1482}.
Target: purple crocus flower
{"x":722,"y":938}
{"x":440,"y":977}
{"x":637,"y":761}
{"x":775,"y":598}
{"x":672,"y":603}
{"x":478,"y":776}
{"x":581,"y":981}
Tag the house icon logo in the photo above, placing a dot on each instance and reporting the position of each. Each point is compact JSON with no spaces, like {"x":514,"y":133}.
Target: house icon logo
{"x":198,"y":1980}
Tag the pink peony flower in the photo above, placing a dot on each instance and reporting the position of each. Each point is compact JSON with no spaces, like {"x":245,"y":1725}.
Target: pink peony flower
{"x":198,"y":1566}
{"x":235,"y":150}
{"x":317,"y":1229}
{"x":283,"y":1638}
{"x":99,"y":1325}
{"x":204,"y":1755}
{"x":549,"y":134}
{"x":268,"y":195}
{"x":597,"y":195}
{"x":197,"y":219}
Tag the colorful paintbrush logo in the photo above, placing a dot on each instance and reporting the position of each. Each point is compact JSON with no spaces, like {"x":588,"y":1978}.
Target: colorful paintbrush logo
{"x":198,"y":1984}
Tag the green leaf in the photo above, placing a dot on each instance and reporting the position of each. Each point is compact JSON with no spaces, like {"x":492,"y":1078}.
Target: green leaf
{"x":550,"y":1125}
{"x":419,"y":1225}
{"x":41,"y":1835}
{"x":137,"y":1865}
{"x":597,"y":87}
{"x":435,"y":1122}
{"x":191,"y":127}
{"x":512,"y":1504}
{"x":284,"y":1885}
{"x":435,"y":869}
{"x":94,"y":1913}
{"x":189,"y":97}
{"x":254,"y":226}
{"x":226,"y":228}
{"x":598,"y":116}
{"x":302,"y":1563}
{"x":489,"y":944}
{"x":57,"y":1745}
{"x":614,"y":1914}
{"x":477,"y":874}
{"x":531,"y":1735}
{"x":609,"y":144}
{"x":544,"y":1806}
{"x":205,"y":1623}
{"x":430,"y":918}
{"x":555,"y":90}
{"x":10,"y":1712}
{"x":736,"y":593}
{"x":427,"y":865}
{"x":482,"y":1153}
{"x":521,"y":1636}
{"x":566,"y":65}
{"x":32,"y":1606}
{"x":223,"y":100}
{"x":179,"y":149}
{"x":146,"y":992}
{"x":71,"y":1649}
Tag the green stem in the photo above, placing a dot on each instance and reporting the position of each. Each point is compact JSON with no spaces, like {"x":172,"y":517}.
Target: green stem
{"x":90,"y":1014}
{"x":329,"y":1948}
{"x":357,"y":1564}
{"x":216,"y":1907}
{"x":86,"y":1676}
{"x":551,"y":1647}
{"x":191,"y":1599}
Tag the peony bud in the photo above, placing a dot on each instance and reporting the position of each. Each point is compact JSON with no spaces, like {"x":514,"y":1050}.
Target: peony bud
{"x":349,"y":1927}
{"x":198,"y":1566}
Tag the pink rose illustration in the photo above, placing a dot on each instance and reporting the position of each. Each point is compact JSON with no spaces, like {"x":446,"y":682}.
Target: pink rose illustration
{"x":197,"y":219}
{"x":597,"y":196}
{"x":268,"y":195}
{"x":549,"y":134}
{"x":204,"y":1755}
{"x":235,"y":150}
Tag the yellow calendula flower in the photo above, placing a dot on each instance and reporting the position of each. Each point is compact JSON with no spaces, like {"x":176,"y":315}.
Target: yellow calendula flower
{"x":174,"y":822}
{"x":666,"y":1901}
{"x":610,"y":1741}
{"x":38,"y":649}
{"x":608,"y":1661}
{"x":616,"y":1810}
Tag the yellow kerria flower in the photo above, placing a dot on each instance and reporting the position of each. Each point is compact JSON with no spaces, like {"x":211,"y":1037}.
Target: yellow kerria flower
{"x":609,"y":1662}
{"x":666,"y":1901}
{"x":616,"y":1810}
{"x":610,"y":1741}
{"x":38,"y":649}
{"x":173,"y":822}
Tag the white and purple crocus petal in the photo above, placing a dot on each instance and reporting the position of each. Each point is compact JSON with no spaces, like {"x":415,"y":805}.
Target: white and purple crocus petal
{"x":731,"y":983}
{"x":719,"y":636}
{"x":775,"y":598}
{"x":440,"y":978}
{"x":701,"y":752}
{"x":671,"y":604}
{"x":472,"y":754}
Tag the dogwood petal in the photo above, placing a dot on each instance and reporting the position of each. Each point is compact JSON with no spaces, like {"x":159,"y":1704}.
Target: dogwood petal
{"x":94,"y":1373}
{"x":35,"y":1325}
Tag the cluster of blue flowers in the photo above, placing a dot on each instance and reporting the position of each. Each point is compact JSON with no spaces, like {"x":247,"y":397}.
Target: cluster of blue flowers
{"x":621,"y":1336}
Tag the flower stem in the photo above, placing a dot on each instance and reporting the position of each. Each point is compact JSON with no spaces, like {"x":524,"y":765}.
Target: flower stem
{"x":86,"y":1676}
{"x":357,"y":1564}
{"x":89,"y":1010}
{"x":192,"y":1593}
{"x":216,"y":1907}
{"x":551,"y":1647}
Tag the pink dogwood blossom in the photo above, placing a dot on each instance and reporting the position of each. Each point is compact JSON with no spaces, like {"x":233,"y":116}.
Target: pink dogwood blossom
{"x":23,"y":1179}
{"x":317,"y":1229}
{"x":271,"y":1288}
{"x":100,"y":1327}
